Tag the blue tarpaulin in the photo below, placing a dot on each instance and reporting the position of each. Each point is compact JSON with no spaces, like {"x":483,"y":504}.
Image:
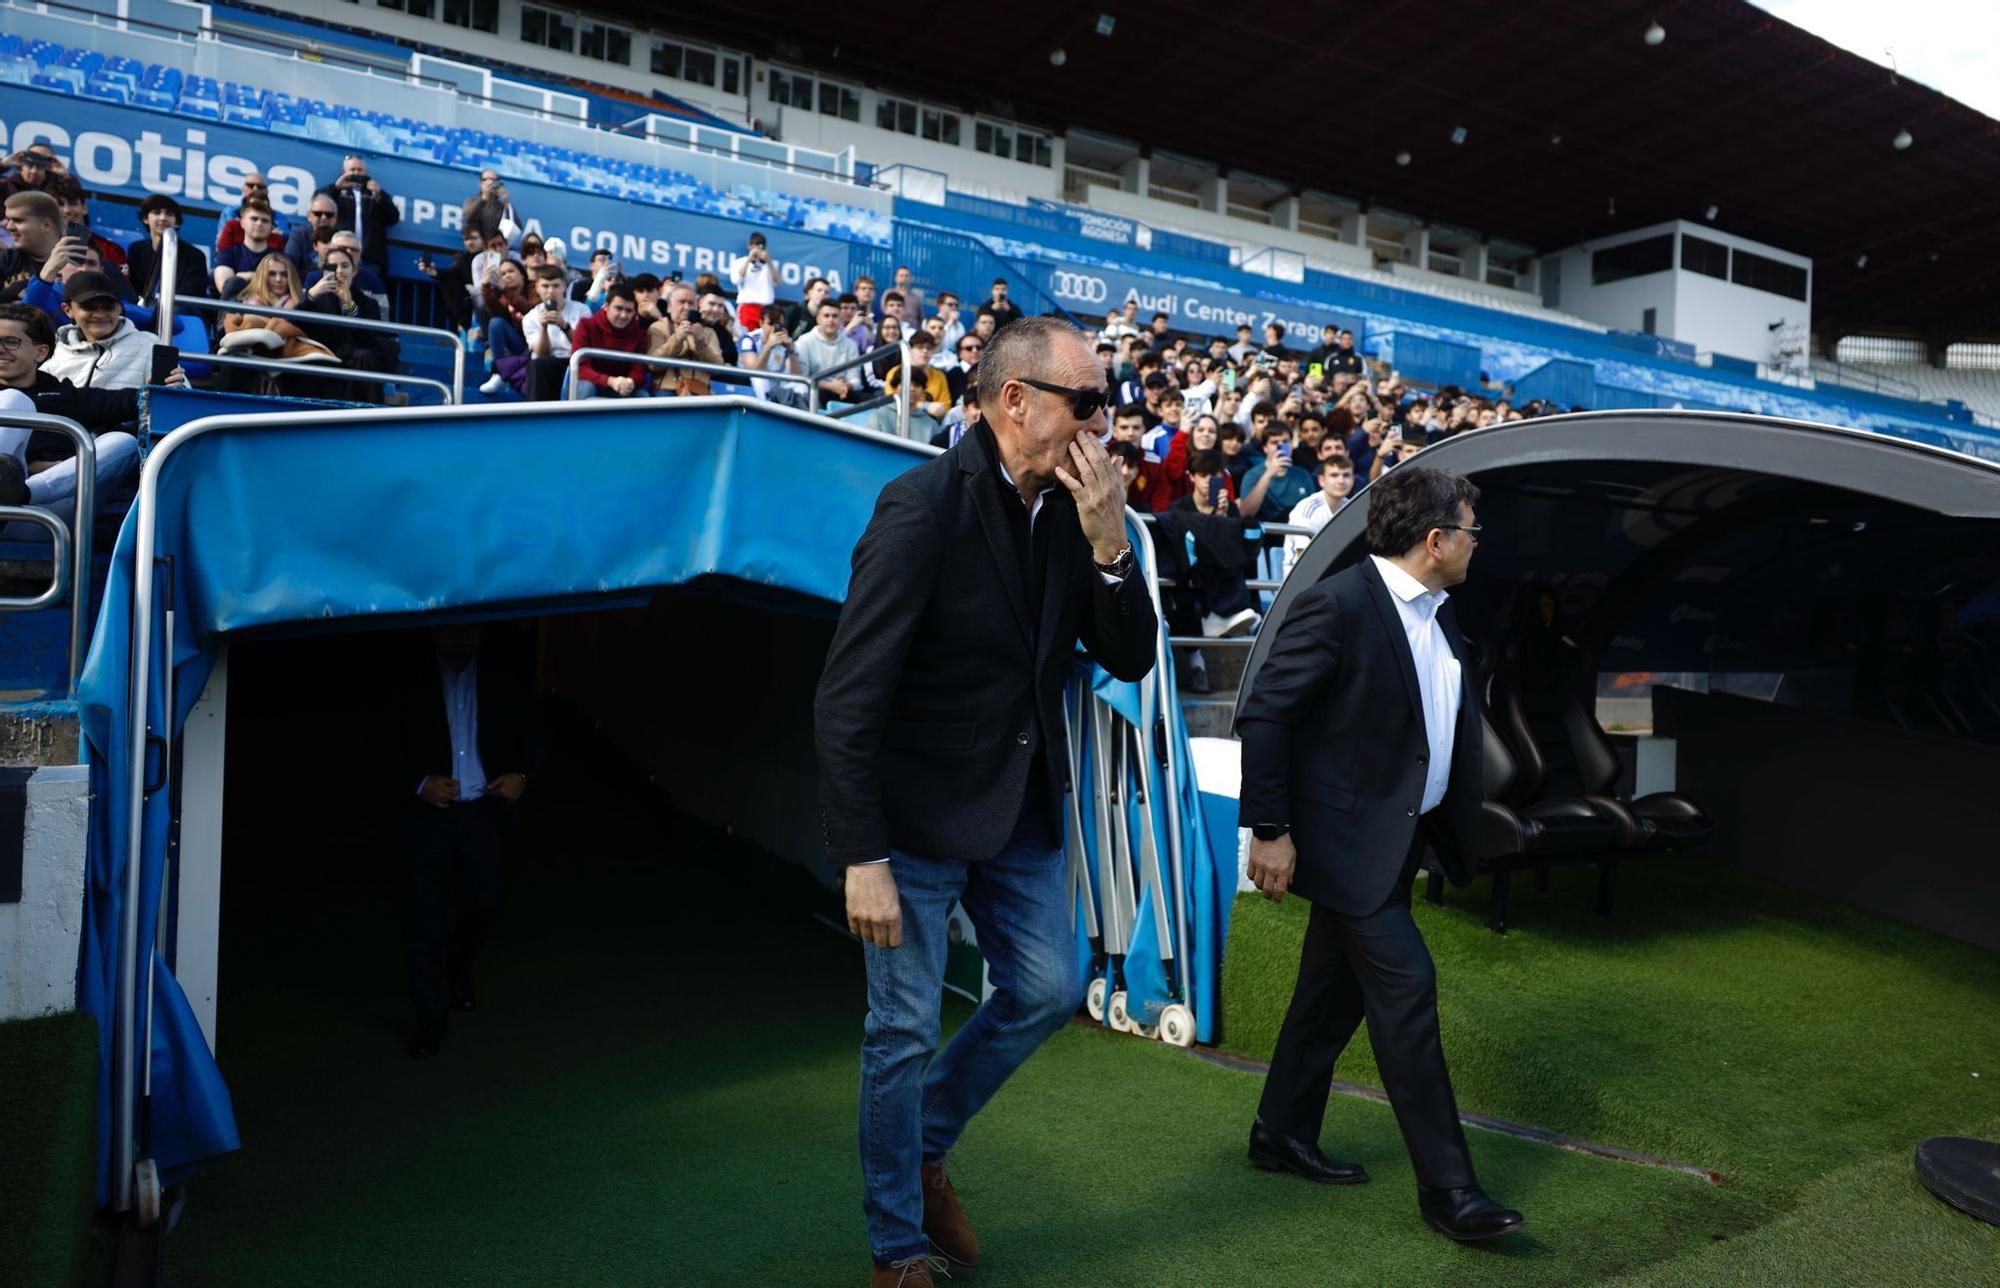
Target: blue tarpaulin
{"x":361,"y":518}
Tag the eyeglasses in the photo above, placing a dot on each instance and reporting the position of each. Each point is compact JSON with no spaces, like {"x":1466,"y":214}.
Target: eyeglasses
{"x":323,"y":214}
{"x":970,"y":346}
{"x":1469,"y":529}
{"x":257,"y":187}
{"x":1083,"y":403}
{"x":12,"y":343}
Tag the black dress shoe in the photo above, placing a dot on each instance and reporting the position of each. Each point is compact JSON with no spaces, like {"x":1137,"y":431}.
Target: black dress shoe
{"x":1466,"y":1214}
{"x":1274,"y":1153}
{"x":462,"y":996}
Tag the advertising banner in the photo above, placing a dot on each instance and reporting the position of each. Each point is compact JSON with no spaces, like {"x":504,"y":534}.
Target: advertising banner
{"x":1090,"y":291}
{"x":131,"y":152}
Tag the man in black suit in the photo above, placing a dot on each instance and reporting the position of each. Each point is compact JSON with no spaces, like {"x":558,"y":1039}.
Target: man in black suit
{"x":943,"y":758}
{"x":1361,"y":744}
{"x":463,"y":748}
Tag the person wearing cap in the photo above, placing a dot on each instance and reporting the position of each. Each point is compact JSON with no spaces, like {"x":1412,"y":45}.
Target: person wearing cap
{"x":100,"y":348}
{"x":26,"y":475}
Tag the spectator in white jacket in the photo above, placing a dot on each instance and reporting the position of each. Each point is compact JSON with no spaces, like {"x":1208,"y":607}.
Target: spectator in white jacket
{"x":100,"y":348}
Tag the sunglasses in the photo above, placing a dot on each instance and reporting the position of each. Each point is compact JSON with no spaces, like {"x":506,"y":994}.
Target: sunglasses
{"x":323,"y":214}
{"x":1084,"y":404}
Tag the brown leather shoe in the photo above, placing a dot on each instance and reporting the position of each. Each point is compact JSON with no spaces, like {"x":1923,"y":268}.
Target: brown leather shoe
{"x":945,"y":1221}
{"x":914,"y":1273}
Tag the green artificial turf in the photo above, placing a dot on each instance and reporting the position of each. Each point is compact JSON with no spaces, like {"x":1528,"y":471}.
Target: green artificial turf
{"x":48,"y":1148}
{"x":660,"y":1083}
{"x":1800,"y":1047}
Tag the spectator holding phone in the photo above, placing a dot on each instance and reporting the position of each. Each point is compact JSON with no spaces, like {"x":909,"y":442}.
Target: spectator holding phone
{"x":31,"y":170}
{"x":365,"y":210}
{"x":454,"y":281}
{"x":99,"y":348}
{"x":715,"y":312}
{"x":504,"y":304}
{"x":755,"y":276}
{"x":40,"y":250}
{"x":550,"y":328}
{"x":683,"y":334}
{"x":75,"y":206}
{"x":770,"y":348}
{"x":1272,"y":487}
{"x":337,"y":293}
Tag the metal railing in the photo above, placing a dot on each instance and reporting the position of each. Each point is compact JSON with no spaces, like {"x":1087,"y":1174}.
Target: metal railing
{"x":76,"y":547}
{"x":326,"y":371}
{"x":170,"y":251}
{"x":902,"y":396}
{"x":743,"y":375}
{"x":573,"y":383}
{"x":59,"y":575}
{"x":1259,"y":584}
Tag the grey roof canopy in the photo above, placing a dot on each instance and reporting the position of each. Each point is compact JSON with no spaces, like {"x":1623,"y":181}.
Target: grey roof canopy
{"x":1626,"y":511}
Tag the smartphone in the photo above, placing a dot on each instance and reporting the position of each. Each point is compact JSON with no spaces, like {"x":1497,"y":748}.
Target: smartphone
{"x":1317,"y":369}
{"x":424,"y":261}
{"x":1214,"y":490}
{"x":165,"y":358}
{"x":1285,"y":450}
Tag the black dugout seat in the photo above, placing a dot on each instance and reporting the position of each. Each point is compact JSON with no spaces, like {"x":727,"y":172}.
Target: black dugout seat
{"x":1519,"y":825}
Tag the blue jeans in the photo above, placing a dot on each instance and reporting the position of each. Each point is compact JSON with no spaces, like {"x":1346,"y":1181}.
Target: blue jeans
{"x":503,"y":339}
{"x":914,"y":1107}
{"x":54,"y":489}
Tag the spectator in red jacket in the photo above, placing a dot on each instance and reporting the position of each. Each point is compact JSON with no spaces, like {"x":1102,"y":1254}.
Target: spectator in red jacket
{"x":615,"y":326}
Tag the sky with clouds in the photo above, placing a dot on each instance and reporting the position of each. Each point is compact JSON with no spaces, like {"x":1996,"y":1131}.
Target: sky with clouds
{"x":1953,"y":46}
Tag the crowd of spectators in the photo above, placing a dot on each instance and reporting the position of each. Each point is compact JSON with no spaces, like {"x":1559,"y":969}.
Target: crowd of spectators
{"x":1257,"y":430}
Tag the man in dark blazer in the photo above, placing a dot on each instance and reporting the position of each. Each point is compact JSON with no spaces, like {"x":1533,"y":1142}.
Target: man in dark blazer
{"x":1361,"y":745}
{"x":943,"y":758}
{"x":462,"y":748}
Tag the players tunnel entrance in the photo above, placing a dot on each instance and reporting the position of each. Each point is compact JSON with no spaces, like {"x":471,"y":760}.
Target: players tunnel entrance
{"x":1799,"y":625}
{"x":301,"y":538}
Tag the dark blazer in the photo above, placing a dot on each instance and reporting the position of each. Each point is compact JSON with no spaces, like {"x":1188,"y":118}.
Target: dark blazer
{"x":419,"y":743}
{"x":937,"y":691}
{"x":1334,"y":745}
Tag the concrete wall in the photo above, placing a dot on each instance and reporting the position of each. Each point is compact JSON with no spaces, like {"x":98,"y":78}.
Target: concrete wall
{"x":1709,"y":313}
{"x":41,"y":935}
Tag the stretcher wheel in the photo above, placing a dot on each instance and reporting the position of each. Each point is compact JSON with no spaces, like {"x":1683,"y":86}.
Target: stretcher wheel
{"x":146,"y":1193}
{"x":1094,"y":1000}
{"x":1177,"y":1026}
{"x":1117,"y":1016}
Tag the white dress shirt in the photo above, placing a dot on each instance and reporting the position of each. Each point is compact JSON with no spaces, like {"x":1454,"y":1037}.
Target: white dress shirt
{"x":461,"y":714}
{"x":1438,"y":673}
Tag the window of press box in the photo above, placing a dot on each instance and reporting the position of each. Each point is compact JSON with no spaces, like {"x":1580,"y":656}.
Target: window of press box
{"x":607,"y":44}
{"x":1633,"y":259}
{"x":791,"y":91}
{"x":476,"y":15}
{"x":1761,"y":273}
{"x":840,"y":101}
{"x":548,"y":29}
{"x":1699,"y":255}
{"x":415,"y":8}
{"x":940,"y":127}
{"x":895,"y":114}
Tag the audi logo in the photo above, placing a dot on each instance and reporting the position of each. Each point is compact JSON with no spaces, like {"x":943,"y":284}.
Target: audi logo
{"x":1079,"y":286}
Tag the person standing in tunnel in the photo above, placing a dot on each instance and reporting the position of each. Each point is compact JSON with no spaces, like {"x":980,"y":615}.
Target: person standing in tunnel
{"x":462,"y":751}
{"x":943,"y":759}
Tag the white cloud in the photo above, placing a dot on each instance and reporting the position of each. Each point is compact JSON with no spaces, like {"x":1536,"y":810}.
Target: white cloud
{"x":1953,"y":46}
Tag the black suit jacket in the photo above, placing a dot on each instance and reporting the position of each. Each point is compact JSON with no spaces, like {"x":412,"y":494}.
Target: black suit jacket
{"x":1334,"y":744}
{"x":420,"y":742}
{"x":938,"y":691}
